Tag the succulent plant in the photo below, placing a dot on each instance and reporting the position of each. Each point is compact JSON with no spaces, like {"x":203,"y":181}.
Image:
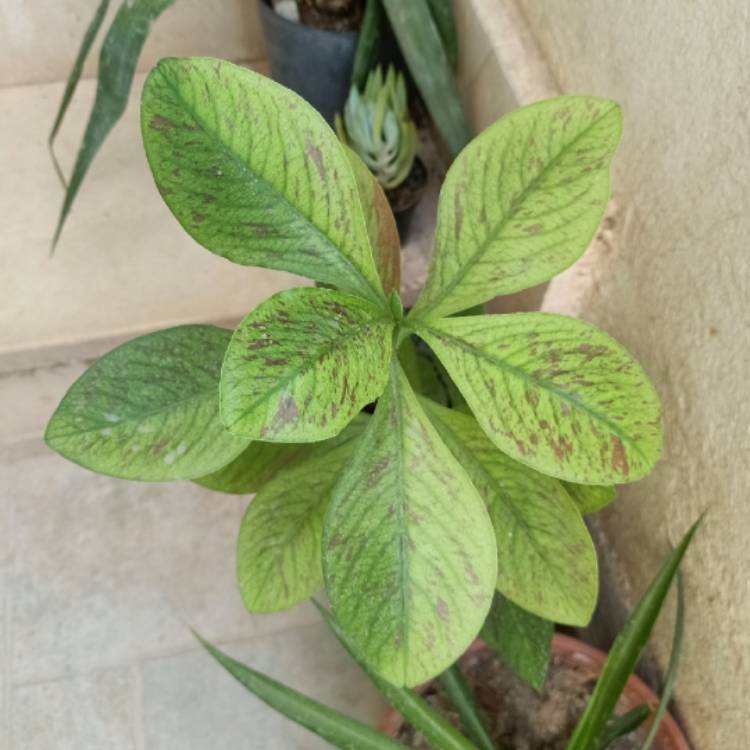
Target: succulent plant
{"x":377,"y":125}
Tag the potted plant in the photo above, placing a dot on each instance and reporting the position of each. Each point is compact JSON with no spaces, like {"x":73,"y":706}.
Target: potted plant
{"x":377,"y":125}
{"x":414,"y":518}
{"x":316,"y":58}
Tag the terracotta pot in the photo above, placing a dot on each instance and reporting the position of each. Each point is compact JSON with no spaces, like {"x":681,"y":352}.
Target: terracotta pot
{"x":587,"y":658}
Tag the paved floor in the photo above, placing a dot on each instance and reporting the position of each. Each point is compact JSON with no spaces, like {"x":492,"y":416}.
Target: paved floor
{"x":100,"y":581}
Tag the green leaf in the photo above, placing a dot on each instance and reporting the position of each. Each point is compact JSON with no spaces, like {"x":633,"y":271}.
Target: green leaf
{"x":437,"y":730}
{"x":674,"y":665}
{"x":149,"y":409}
{"x":117,"y":63}
{"x":256,"y":465}
{"x":442,"y":14}
{"x":333,"y":726}
{"x":626,"y":651}
{"x":590,"y":497}
{"x":619,"y":726}
{"x":303,"y":364}
{"x":521,"y":640}
{"x":408,"y":549}
{"x":521,"y":202}
{"x":279,"y":547}
{"x":420,"y":42}
{"x":75,"y":75}
{"x":381,"y":224}
{"x":254,"y":173}
{"x":368,"y":42}
{"x":546,"y":559}
{"x":455,"y":685}
{"x":554,"y":393}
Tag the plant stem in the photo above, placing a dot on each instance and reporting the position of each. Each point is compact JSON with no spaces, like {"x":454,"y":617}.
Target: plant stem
{"x":459,"y":692}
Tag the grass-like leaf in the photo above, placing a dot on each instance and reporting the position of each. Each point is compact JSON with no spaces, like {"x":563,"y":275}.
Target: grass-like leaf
{"x":622,"y":725}
{"x":521,"y":202}
{"x":674,"y":664}
{"x":279,"y":546}
{"x":521,"y":640}
{"x":117,"y":63}
{"x":553,"y":392}
{"x":408,"y":548}
{"x":421,"y":44}
{"x":455,"y":685}
{"x":75,"y":76}
{"x":302,"y":365}
{"x":255,"y":174}
{"x":339,"y":729}
{"x":149,"y":409}
{"x":546,"y":559}
{"x":415,"y":710}
{"x":626,"y":651}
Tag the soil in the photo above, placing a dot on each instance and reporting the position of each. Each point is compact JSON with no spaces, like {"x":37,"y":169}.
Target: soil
{"x":408,"y":193}
{"x":332,"y":15}
{"x":517,"y":716}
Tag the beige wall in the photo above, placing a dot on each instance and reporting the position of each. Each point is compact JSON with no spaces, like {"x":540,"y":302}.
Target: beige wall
{"x":39,"y":38}
{"x":674,"y":286}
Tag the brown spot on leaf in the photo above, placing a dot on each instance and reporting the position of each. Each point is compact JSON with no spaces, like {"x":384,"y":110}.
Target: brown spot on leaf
{"x":313,"y":152}
{"x":276,"y":361}
{"x":198,"y":218}
{"x":533,"y":229}
{"x":619,"y":456}
{"x":442,"y":609}
{"x":161,"y":123}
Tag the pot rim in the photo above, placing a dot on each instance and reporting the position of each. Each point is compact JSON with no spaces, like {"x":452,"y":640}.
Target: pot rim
{"x":636,"y":692}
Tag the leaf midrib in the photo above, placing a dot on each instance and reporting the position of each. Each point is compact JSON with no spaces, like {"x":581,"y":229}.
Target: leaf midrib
{"x":542,"y":384}
{"x":244,"y":167}
{"x":491,"y":237}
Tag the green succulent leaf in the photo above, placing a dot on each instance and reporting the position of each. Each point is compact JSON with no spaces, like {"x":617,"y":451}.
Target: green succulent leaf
{"x":521,"y":202}
{"x":546,"y":559}
{"x":381,"y":224}
{"x":590,"y":497}
{"x":408,"y":547}
{"x":303,"y":364}
{"x":257,"y":464}
{"x":521,"y":640}
{"x":254,"y":173}
{"x":338,"y":729}
{"x":279,"y":547}
{"x":554,"y":393}
{"x":149,"y":409}
{"x":117,"y":63}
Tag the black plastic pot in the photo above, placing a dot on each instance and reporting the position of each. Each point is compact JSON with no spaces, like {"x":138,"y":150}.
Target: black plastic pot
{"x":316,"y":64}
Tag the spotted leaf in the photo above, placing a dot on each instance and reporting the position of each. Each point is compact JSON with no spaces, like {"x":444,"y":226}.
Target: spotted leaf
{"x":554,"y":393}
{"x":279,"y":547}
{"x":408,"y":547}
{"x":521,"y":202}
{"x":381,"y":224}
{"x":254,"y":173}
{"x":149,"y":409}
{"x":546,"y":562}
{"x":303,"y":364}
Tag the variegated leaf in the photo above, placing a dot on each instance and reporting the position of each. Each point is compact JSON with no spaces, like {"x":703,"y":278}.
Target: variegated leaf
{"x":408,"y":548}
{"x":149,"y":409}
{"x":521,"y":202}
{"x":546,"y":559}
{"x":381,"y":224}
{"x":590,"y":497}
{"x":303,"y":364}
{"x":254,"y":173}
{"x":553,"y":392}
{"x":279,"y":547}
